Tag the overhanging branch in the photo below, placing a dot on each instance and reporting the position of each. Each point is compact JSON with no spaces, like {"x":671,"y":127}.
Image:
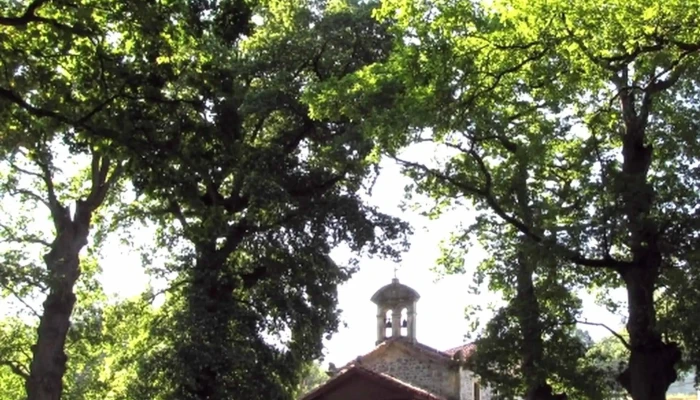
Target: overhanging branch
{"x":28,"y":16}
{"x":15,"y":368}
{"x":617,"y":335}
{"x":485,"y":193}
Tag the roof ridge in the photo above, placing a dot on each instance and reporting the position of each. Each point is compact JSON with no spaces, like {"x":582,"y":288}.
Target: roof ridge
{"x":465,"y":350}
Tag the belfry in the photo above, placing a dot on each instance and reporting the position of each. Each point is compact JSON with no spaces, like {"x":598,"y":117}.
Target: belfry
{"x":400,"y":367}
{"x":396,"y":309}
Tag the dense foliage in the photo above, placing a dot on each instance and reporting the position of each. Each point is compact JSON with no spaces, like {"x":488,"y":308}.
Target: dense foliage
{"x":244,"y":132}
{"x":199,"y":106}
{"x":590,"y":105}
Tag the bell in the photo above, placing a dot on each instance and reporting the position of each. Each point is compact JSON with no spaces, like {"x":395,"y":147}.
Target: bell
{"x":404,"y":324}
{"x":388,"y":323}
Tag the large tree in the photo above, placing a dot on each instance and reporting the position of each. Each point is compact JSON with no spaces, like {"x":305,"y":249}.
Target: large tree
{"x":69,"y":71}
{"x":597,"y":98}
{"x":252,"y":193}
{"x":100,"y":337}
{"x":539,"y":318}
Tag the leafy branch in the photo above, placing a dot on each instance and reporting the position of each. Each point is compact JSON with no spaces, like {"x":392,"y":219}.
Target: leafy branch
{"x":486,"y":193}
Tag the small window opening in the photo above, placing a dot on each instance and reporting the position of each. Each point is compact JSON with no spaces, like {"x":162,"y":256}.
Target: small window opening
{"x":387,"y":324}
{"x":404,"y":322}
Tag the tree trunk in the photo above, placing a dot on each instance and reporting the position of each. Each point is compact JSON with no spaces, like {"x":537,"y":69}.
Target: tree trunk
{"x":651,"y":368}
{"x":48,"y":364}
{"x":651,"y":365}
{"x":527,"y":307}
{"x":205,"y":355}
{"x":528,"y":314}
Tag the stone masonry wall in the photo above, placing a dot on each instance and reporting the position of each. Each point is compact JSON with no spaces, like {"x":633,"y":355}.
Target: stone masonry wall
{"x":423,"y":373}
{"x":466,"y":390}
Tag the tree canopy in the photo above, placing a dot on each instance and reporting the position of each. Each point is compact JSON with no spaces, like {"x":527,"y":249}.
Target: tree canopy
{"x":246,"y":133}
{"x":198,"y":105}
{"x":589,"y":105}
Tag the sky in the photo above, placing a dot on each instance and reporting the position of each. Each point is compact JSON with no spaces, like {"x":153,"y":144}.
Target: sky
{"x":440,"y":315}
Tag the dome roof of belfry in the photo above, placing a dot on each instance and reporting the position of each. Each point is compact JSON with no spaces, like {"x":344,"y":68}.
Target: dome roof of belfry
{"x":395,"y":292}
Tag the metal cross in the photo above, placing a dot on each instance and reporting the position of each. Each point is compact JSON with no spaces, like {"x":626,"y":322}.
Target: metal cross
{"x":396,"y":268}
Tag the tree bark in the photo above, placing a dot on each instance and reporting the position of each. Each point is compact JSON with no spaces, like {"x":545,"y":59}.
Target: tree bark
{"x":210,"y":302}
{"x":212,"y":308}
{"x":526,"y":303}
{"x":48,"y":364}
{"x":528,"y":314}
{"x":651,"y":368}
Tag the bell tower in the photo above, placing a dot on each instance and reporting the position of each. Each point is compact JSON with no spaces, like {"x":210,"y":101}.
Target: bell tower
{"x":392,"y":301}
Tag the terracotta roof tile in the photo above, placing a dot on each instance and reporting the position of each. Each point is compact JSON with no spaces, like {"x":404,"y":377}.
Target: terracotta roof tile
{"x":464,"y":351}
{"x":416,"y":345}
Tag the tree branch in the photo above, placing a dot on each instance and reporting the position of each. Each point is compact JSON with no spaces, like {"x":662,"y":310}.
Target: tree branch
{"x":21,"y":300}
{"x":58,"y":212}
{"x":15,"y":368}
{"x":175,"y":209}
{"x":8,"y":232}
{"x":11,"y":96}
{"x":28,"y":16}
{"x":25,"y":171}
{"x":617,"y":335}
{"x":486,"y":195}
{"x":30,"y":194}
{"x":101,"y":181}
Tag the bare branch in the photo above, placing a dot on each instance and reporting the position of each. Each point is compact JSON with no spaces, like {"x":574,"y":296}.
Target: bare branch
{"x":686,"y":46}
{"x":98,"y":107}
{"x":612,"y":63}
{"x":30,"y":194}
{"x":177,"y":211}
{"x":25,"y":171}
{"x":151,"y":297}
{"x":102,"y":181}
{"x":36,"y":111}
{"x":21,"y":300}
{"x":617,"y":335}
{"x":28,"y":16}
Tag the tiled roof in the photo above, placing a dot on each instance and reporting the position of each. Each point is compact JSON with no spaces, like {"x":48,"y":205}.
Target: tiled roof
{"x":416,"y":392}
{"x":422,"y":347}
{"x":416,"y":345}
{"x":464,"y":351}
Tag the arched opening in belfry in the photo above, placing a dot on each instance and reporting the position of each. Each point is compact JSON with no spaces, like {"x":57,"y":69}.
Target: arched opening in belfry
{"x":387,"y":324}
{"x":404,"y":321}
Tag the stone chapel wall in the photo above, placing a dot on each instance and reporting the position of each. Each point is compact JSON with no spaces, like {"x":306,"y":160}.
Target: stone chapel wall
{"x":466,"y":387}
{"x":432,"y":376}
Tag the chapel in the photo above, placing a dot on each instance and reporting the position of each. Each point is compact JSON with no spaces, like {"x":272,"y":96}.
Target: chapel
{"x":400,"y":367}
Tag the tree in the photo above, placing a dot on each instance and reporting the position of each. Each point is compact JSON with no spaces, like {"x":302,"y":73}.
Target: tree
{"x":100,"y":340}
{"x":539,"y":321}
{"x":610,"y":355}
{"x":251,"y":193}
{"x":541,"y":311}
{"x":68,"y":73}
{"x":39,"y":186}
{"x":206,"y":118}
{"x":313,"y":376}
{"x":597,"y":98}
